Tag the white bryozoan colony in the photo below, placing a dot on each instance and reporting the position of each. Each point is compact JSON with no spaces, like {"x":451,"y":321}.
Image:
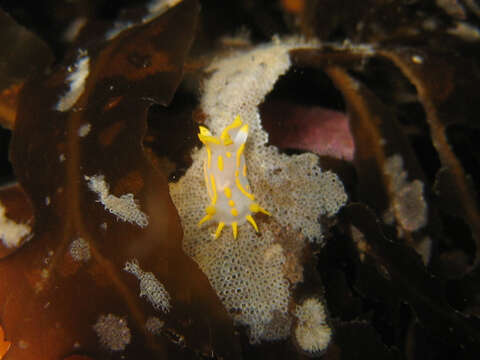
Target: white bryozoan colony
{"x":312,"y":332}
{"x":250,"y":273}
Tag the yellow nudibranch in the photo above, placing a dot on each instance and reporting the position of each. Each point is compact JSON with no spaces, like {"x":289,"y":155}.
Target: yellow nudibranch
{"x":225,"y":170}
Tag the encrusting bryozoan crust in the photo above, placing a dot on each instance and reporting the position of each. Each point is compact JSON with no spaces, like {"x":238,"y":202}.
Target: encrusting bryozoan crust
{"x":250,"y":273}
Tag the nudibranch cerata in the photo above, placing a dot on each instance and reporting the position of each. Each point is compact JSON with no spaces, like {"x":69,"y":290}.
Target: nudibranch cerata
{"x":225,"y":170}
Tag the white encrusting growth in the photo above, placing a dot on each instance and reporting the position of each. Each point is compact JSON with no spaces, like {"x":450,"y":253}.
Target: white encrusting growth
{"x":154,"y":325}
{"x":408,"y":201}
{"x":312,"y":332}
{"x":76,"y":80}
{"x":158,"y":7}
{"x":150,"y":287}
{"x":84,"y":130}
{"x":118,"y":28}
{"x":155,"y":8}
{"x":113,"y":332}
{"x":74,"y":29}
{"x":238,"y":85}
{"x":11,"y":233}
{"x":250,"y":273}
{"x":465,"y":31}
{"x":124,"y":207}
{"x":80,"y":250}
{"x":22,"y":344}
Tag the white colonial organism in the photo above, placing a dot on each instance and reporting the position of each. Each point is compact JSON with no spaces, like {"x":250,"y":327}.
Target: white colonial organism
{"x":249,"y":269}
{"x":112,"y":332}
{"x":76,"y":79}
{"x":12,"y":233}
{"x":150,"y":286}
{"x":125,"y":207}
{"x":312,"y":332}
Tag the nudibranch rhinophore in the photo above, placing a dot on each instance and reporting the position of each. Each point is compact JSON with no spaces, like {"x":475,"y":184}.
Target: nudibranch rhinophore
{"x":225,"y":170}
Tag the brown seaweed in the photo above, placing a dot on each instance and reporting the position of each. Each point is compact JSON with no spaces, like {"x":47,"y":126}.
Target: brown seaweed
{"x":53,"y":299}
{"x":399,"y":269}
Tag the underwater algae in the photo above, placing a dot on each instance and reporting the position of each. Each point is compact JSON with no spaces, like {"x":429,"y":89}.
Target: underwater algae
{"x":66,"y":209}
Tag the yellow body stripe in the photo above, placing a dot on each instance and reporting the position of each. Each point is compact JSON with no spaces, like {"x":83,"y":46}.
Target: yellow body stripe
{"x":228,"y":192}
{"x":240,"y":187}
{"x":214,"y":190}
{"x":220,"y":162}
{"x":207,"y":182}
{"x":209,"y":157}
{"x":245,"y":170}
{"x":219,"y":229}
{"x":239,"y":153}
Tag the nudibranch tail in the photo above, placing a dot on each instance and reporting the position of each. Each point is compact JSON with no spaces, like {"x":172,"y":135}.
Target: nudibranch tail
{"x":225,"y":174}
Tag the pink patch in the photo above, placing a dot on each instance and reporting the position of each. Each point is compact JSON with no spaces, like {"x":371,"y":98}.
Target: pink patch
{"x":309,"y":128}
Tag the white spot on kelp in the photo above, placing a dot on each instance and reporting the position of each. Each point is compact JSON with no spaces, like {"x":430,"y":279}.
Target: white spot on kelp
{"x":76,"y":81}
{"x":117,"y":29}
{"x":124,"y":207}
{"x":150,"y":287}
{"x":11,"y":233}
{"x":80,"y":250}
{"x":84,"y":130}
{"x":154,"y":325}
{"x":113,"y":332}
{"x":158,"y":7}
{"x":312,"y":332}
{"x":74,"y":29}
